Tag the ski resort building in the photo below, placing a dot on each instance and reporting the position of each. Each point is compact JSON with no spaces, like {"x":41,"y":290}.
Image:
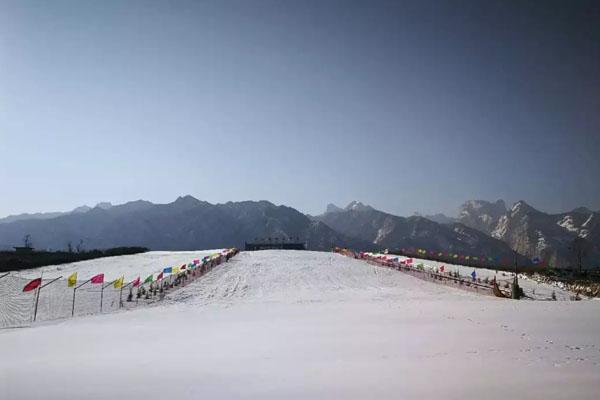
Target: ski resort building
{"x":275,"y":244}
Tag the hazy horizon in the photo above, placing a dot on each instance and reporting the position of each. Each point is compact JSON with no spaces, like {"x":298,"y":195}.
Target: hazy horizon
{"x":407,"y":106}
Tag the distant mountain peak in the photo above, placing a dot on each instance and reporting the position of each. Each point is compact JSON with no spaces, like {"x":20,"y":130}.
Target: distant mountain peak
{"x":358,"y":206}
{"x":332,"y":208}
{"x":105,"y":205}
{"x":477,"y":204}
{"x":521,"y":206}
{"x":186,"y":202}
{"x":482,"y":214}
{"x":441,"y":218}
{"x":81,"y":209}
{"x":186,"y":199}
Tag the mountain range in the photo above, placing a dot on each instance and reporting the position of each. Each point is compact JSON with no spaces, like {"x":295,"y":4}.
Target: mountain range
{"x":556,"y":238}
{"x":393,"y":232}
{"x":185,"y":224}
{"x":482,"y":228}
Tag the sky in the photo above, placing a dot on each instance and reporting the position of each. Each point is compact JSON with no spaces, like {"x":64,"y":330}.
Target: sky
{"x":407,"y":106}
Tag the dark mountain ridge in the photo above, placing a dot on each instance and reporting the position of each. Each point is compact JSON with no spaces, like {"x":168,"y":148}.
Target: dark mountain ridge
{"x":185,"y":224}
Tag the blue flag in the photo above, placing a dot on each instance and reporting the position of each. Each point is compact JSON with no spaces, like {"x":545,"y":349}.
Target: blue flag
{"x":474,"y":275}
{"x":168,"y":270}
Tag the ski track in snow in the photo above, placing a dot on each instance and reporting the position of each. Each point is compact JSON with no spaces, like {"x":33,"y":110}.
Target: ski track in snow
{"x":288,"y":324}
{"x":299,"y":277}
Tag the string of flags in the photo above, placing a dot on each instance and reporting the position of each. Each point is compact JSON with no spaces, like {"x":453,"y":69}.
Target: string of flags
{"x":468,"y":258}
{"x":120,"y":281}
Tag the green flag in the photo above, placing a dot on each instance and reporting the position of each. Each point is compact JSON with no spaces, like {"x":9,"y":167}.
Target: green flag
{"x":149,"y":279}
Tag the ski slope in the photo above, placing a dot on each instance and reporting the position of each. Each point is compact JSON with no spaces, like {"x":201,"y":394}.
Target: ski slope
{"x":290,"y":324}
{"x":533,"y":290}
{"x":56,"y":299}
{"x":131,"y":266}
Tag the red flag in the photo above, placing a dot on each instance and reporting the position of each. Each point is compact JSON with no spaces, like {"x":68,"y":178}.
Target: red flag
{"x":159,"y":277}
{"x":34,"y":284}
{"x":442,"y":268}
{"x":136,"y":282}
{"x":183,"y":266}
{"x":97,"y":279}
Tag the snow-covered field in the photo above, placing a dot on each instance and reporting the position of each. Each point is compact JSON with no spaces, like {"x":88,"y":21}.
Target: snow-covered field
{"x":131,"y":266}
{"x":56,"y":299}
{"x":533,"y":289}
{"x":287,"y":324}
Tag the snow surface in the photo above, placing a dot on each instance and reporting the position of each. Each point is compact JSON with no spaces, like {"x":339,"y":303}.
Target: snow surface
{"x":567,"y":223}
{"x":534,"y":290}
{"x":291,"y":324}
{"x":131,"y":266}
{"x":56,"y":299}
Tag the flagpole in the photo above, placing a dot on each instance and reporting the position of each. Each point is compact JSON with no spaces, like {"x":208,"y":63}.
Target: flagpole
{"x":102,"y":292}
{"x":74,"y":289}
{"x":38,"y":296}
{"x":5,"y":275}
{"x":121,"y":294}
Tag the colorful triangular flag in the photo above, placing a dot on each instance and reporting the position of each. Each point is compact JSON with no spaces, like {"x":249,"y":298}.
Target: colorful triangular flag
{"x":119,"y":282}
{"x":72,"y":280}
{"x":32,"y":285}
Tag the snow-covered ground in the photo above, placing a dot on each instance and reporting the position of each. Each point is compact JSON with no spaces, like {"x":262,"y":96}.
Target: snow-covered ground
{"x":533,"y":289}
{"x":131,"y":266}
{"x":287,"y":324}
{"x":56,"y":299}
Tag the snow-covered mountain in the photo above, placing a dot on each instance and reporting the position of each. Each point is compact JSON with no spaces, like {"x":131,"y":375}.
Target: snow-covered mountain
{"x":538,"y":234}
{"x":188,"y":223}
{"x":390,"y":231}
{"x":482,"y":215}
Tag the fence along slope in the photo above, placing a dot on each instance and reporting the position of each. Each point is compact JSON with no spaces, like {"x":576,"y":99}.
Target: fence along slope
{"x":56,"y":299}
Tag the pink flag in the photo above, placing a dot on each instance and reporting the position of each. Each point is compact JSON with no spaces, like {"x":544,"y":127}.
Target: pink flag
{"x":34,"y":284}
{"x":136,"y":282}
{"x":98,"y":279}
{"x":196,"y":262}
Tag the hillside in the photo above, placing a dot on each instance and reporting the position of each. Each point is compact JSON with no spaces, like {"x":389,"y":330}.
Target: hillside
{"x":288,"y":324}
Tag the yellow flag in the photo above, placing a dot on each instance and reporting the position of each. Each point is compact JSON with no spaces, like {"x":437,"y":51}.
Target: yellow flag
{"x":119,"y":282}
{"x":175,"y":270}
{"x":72,"y":279}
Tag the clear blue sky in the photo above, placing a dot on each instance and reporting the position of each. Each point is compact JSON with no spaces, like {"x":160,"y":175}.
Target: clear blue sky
{"x":407,"y":106}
